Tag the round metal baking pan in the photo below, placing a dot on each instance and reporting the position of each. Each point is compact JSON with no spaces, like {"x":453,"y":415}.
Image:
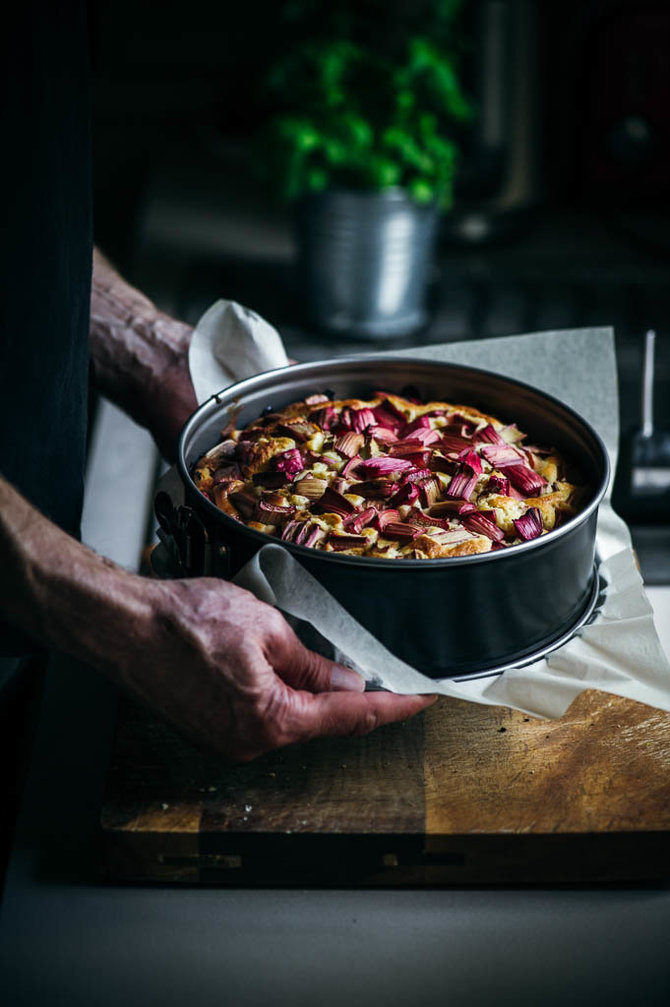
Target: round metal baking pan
{"x":468,"y":614}
{"x":589,"y":613}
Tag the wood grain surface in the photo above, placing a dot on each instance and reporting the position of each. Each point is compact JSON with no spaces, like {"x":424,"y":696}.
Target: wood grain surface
{"x":462,"y":794}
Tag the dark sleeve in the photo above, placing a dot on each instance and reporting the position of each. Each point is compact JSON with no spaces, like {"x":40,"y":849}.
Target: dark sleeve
{"x":47,"y":251}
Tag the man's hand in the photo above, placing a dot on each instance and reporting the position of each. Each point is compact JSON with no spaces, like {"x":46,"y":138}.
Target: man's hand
{"x":139,"y":356}
{"x":223,"y":667}
{"x":229,"y":672}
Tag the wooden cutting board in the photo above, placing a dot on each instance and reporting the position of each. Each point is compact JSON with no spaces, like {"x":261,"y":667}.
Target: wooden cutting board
{"x":463,"y":794}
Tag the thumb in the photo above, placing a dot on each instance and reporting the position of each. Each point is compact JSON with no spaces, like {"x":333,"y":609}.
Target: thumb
{"x":305,"y":669}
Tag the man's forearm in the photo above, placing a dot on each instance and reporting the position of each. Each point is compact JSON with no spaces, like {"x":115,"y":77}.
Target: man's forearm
{"x":53,"y":588}
{"x":223,"y":667}
{"x":139,"y":354}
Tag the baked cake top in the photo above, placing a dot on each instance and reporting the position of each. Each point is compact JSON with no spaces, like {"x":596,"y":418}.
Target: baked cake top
{"x":387,"y":477}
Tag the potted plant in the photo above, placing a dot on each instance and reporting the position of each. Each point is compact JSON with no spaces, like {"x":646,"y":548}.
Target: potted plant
{"x":362,"y":140}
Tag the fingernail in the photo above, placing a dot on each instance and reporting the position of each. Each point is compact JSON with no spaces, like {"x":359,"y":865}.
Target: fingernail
{"x":345,"y":680}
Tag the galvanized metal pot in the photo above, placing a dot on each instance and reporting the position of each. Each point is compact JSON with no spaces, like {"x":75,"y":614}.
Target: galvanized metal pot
{"x":365,"y":261}
{"x":446,"y":617}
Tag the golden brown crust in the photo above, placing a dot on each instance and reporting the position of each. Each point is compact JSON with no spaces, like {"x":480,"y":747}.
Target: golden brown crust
{"x":262,"y":450}
{"x":221,"y":496}
{"x":434,"y":549}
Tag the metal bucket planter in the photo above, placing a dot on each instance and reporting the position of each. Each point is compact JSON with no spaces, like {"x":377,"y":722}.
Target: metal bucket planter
{"x":365,"y":260}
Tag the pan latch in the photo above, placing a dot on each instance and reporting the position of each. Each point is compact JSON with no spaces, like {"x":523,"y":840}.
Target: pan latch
{"x":188,"y":549}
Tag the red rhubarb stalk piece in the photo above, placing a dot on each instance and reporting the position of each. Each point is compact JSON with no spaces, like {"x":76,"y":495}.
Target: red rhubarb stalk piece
{"x":423,"y":435}
{"x":291,"y":530}
{"x":350,"y":467}
{"x":452,"y":536}
{"x":299,"y":430}
{"x":316,"y":534}
{"x":418,"y":459}
{"x":349,"y":444}
{"x":390,"y":406}
{"x":430,"y":490}
{"x":471,"y":459}
{"x":383,"y":435}
{"x":498,"y":484}
{"x":467,"y":426}
{"x":421,"y":422}
{"x":385,"y":517}
{"x":405,"y":445}
{"x":341,"y":542}
{"x":462,"y":484}
{"x":383,"y":465}
{"x":483,"y":525}
{"x":501,"y":455}
{"x":452,"y":443}
{"x":333,"y":502}
{"x":529,"y":525}
{"x":227,"y":472}
{"x":244,"y":502}
{"x":356,"y":522}
{"x":326,"y":418}
{"x":345,"y":419}
{"x":304,"y":532}
{"x":525,"y":480}
{"x":388,"y":416}
{"x":438,"y":463}
{"x":225,"y":451}
{"x":407,"y":494}
{"x":268,"y":513}
{"x":340,"y":484}
{"x":400,"y":530}
{"x":451,"y":507}
{"x":271,"y":480}
{"x":418,"y":517}
{"x":311,"y":487}
{"x":416,"y":475}
{"x":361,"y":419}
{"x":382,"y":488}
{"x":488,"y":434}
{"x":291,"y":462}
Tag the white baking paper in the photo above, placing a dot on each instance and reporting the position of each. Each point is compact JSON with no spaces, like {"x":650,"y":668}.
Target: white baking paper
{"x":229,"y":343}
{"x":618,"y":652}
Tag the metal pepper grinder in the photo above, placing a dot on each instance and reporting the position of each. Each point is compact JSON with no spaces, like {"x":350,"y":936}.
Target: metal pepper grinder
{"x":642,"y":489}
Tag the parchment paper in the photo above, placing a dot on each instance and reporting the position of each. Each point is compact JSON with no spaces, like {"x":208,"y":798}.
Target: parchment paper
{"x":618,"y":652}
{"x":231,"y":342}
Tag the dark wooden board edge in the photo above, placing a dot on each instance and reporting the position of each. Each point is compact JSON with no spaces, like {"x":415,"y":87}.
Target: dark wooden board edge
{"x":245,"y":860}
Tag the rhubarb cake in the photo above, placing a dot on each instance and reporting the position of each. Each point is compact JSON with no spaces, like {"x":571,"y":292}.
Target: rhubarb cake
{"x":389,"y":477}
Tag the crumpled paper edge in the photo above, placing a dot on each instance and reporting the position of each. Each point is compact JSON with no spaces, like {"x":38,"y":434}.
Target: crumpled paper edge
{"x":230,"y":332}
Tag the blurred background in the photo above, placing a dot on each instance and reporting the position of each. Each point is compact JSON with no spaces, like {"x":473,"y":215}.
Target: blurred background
{"x":549,"y":167}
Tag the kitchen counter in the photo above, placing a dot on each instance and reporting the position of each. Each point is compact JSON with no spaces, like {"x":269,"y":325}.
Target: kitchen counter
{"x":69,"y":939}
